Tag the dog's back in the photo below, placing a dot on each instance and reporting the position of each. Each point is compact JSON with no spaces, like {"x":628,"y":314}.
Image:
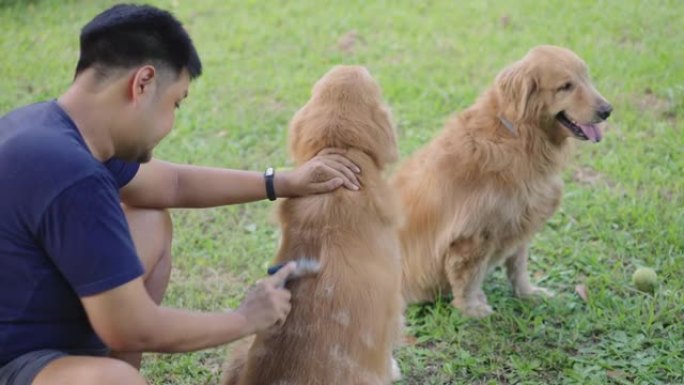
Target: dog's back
{"x":346,"y":319}
{"x":340,"y":330}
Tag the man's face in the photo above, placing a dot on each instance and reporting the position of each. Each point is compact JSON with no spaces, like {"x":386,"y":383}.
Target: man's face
{"x":155,"y":115}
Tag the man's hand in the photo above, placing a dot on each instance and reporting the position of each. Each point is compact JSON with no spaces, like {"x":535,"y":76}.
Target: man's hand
{"x":267,"y":303}
{"x":325,"y":172}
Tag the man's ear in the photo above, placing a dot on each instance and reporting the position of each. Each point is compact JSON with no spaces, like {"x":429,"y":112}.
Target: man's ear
{"x":143,"y":82}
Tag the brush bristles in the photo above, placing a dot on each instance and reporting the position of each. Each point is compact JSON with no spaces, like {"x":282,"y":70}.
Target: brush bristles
{"x":305,"y":266}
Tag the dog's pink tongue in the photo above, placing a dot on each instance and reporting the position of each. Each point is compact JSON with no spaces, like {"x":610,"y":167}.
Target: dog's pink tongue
{"x":591,"y":131}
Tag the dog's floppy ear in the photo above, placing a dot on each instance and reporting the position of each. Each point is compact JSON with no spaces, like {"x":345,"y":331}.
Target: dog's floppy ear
{"x":517,"y":86}
{"x":303,"y":145}
{"x":386,"y":137}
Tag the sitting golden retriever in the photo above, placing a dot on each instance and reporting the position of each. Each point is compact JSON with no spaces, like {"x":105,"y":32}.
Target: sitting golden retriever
{"x":346,"y":319}
{"x":474,"y":197}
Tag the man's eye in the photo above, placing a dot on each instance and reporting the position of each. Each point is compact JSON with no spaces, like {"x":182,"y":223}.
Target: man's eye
{"x":177,"y":105}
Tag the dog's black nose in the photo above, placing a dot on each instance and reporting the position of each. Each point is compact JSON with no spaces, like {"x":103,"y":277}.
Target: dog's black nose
{"x":604,"y":111}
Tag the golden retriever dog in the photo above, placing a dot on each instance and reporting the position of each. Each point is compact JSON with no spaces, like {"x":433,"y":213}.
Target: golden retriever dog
{"x":474,"y":197}
{"x":346,"y":319}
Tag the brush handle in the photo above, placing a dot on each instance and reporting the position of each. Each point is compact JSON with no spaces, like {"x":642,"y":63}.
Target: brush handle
{"x":274,"y":269}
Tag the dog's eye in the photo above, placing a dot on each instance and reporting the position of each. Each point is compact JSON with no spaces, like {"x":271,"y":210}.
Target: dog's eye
{"x":566,"y":87}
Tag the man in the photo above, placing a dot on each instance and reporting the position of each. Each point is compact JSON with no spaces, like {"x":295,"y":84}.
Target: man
{"x":84,"y":237}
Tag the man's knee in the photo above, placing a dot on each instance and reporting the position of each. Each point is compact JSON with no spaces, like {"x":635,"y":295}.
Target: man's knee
{"x":112,"y":371}
{"x":74,"y":370}
{"x":152,"y":232}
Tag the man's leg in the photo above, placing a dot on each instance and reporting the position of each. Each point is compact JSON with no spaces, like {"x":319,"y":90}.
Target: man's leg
{"x":152,"y":232}
{"x":76,"y":370}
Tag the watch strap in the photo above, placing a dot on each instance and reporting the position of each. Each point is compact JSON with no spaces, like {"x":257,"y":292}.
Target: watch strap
{"x":269,"y":175}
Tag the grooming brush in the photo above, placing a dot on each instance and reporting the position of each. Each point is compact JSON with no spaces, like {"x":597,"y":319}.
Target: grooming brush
{"x":305,"y":266}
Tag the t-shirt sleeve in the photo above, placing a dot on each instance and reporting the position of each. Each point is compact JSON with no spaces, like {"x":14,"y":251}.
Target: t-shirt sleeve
{"x":123,"y":172}
{"x":85,"y":233}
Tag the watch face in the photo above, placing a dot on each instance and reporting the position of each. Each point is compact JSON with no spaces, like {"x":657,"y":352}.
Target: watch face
{"x":270,"y":171}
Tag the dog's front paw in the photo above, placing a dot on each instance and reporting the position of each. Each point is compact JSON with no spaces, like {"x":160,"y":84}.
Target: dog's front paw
{"x":535,"y":291}
{"x":474,"y":309}
{"x":396,"y":372}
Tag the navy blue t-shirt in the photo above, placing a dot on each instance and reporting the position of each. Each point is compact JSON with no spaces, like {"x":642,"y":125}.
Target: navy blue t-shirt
{"x":63,"y":233}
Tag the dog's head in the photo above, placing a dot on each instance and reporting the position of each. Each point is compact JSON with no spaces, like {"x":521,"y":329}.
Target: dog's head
{"x":345,"y":111}
{"x":551,"y":89}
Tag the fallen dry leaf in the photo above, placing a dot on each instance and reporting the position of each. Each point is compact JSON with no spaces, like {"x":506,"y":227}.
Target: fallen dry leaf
{"x":582,"y":291}
{"x":615,"y":373}
{"x":409,"y":340}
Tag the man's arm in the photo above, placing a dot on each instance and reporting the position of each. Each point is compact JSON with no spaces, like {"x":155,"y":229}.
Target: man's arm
{"x":127,"y":319}
{"x":160,"y":184}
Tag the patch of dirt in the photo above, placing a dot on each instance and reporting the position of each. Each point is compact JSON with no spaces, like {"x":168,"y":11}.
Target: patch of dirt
{"x":219,"y":283}
{"x":505,"y":21}
{"x":589,"y":177}
{"x":660,"y":106}
{"x":666,"y":194}
{"x":649,"y":101}
{"x":349,"y":42}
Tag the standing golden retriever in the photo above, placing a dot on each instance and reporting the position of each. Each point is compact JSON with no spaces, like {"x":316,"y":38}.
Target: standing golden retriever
{"x":346,"y":319}
{"x":474,"y":197}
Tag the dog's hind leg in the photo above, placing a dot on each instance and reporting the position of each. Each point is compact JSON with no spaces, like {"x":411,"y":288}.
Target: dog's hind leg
{"x":516,"y":270}
{"x":234,"y":367}
{"x":466,"y":266}
{"x":395,"y":371}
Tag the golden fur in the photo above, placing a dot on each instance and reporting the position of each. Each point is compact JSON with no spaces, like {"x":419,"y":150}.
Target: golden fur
{"x":346,"y":319}
{"x":474,"y":197}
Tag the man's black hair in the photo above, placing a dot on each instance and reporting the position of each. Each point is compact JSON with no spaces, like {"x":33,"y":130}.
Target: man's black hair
{"x":128,"y":35}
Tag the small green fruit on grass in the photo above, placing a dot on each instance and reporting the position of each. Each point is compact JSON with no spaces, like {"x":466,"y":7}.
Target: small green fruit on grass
{"x":644,"y":279}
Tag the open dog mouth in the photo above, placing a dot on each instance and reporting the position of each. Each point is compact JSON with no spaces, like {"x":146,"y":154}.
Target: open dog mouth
{"x":587,"y":131}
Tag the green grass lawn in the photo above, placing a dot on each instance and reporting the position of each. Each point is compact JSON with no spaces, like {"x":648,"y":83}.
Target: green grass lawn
{"x":624,"y":199}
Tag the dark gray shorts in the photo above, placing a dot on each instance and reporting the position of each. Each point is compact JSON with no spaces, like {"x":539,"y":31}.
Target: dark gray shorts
{"x":23,"y":369}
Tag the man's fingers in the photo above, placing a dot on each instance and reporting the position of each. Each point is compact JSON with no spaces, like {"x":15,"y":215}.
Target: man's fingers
{"x":332,"y":150}
{"x":336,"y":170}
{"x":286,"y":310}
{"x":331,"y":164}
{"x":278,"y":279}
{"x":324,"y":187}
{"x":345,"y":173}
{"x":285,"y":295}
{"x":343,"y":160}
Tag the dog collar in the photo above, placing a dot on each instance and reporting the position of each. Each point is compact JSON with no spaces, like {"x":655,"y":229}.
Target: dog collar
{"x":508,"y":125}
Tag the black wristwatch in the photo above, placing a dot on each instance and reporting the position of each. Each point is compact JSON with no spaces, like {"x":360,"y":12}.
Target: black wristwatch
{"x":269,"y":174}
